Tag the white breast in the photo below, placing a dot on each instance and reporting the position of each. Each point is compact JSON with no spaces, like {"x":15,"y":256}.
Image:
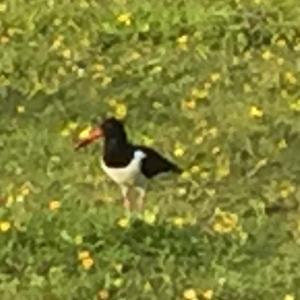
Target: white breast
{"x":128,"y":174}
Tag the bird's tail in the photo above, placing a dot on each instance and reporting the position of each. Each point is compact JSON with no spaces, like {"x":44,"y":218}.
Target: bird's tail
{"x":176,"y":169}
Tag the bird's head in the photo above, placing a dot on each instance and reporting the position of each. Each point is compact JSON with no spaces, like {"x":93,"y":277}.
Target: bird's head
{"x":110,"y":128}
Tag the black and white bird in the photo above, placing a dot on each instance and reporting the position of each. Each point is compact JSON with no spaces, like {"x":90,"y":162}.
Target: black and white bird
{"x":127,"y":164}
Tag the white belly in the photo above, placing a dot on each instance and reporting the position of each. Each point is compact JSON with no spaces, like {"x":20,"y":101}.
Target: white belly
{"x":126,"y":175}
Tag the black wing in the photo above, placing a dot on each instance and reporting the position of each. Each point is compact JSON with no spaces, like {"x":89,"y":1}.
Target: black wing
{"x":154,"y":164}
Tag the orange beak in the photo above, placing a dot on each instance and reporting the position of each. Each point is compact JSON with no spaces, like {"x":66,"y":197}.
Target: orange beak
{"x":93,"y":135}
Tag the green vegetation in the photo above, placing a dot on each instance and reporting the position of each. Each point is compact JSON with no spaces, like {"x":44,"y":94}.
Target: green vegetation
{"x":214,"y":85}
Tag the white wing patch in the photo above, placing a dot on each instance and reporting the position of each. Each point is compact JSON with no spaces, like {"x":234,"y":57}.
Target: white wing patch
{"x":128,"y":174}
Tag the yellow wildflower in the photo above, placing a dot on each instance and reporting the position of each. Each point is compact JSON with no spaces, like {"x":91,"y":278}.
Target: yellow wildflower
{"x":123,"y":222}
{"x":290,"y":77}
{"x":282,"y":144}
{"x":199,"y":140}
{"x":178,"y":222}
{"x":103,"y":294}
{"x":213,"y":132}
{"x":182,"y":39}
{"x":204,"y":175}
{"x":99,"y":67}
{"x":3,"y":7}
{"x":203,"y":94}
{"x":4,"y":39}
{"x":255,"y":112}
{"x":80,"y":72}
{"x":87,"y":263}
{"x":134,"y":55}
{"x":297,"y":47}
{"x":267,"y":55}
{"x":20,"y":198}
{"x":106,"y":81}
{"x":121,"y":110}
{"x":190,"y":104}
{"x":10,"y":200}
{"x":289,"y":297}
{"x":25,"y":191}
{"x":295,"y":106}
{"x":4,"y":226}
{"x":190,"y":294}
{"x":156,"y":70}
{"x":118,"y":282}
{"x":195,"y":169}
{"x":125,"y":19}
{"x":284,"y":193}
{"x":54,"y":205}
{"x":83,"y":254}
{"x":56,"y":43}
{"x":67,"y":53}
{"x":215,"y":77}
{"x":148,"y":141}
{"x":224,"y":222}
{"x":179,"y":151}
{"x":20,"y":109}
{"x":149,"y":217}
{"x":182,"y":42}
{"x":65,"y":132}
{"x":57,"y":22}
{"x":208,"y":294}
{"x":200,"y":93}
{"x":215,"y":150}
{"x":85,"y":133}
{"x":118,"y":267}
{"x":281,"y":43}
{"x":147,"y":287}
{"x":181,"y":191}
{"x":72,"y":125}
{"x":287,"y":188}
{"x":157,"y":105}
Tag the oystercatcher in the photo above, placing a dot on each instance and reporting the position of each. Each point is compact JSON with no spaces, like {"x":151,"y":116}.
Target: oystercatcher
{"x":127,"y":164}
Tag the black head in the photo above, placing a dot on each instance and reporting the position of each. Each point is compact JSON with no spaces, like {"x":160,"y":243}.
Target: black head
{"x":113,"y":128}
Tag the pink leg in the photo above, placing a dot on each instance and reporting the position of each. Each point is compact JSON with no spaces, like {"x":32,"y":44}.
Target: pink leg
{"x":126,"y":201}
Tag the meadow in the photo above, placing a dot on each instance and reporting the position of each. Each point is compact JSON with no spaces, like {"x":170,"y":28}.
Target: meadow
{"x":214,"y":86}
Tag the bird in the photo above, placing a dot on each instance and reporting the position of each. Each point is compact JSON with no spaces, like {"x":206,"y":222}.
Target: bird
{"x":127,"y":164}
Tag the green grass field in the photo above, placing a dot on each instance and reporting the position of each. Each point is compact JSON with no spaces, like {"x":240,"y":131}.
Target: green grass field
{"x":213,"y":85}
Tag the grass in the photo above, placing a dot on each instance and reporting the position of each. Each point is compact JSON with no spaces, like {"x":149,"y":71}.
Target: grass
{"x":211,"y":93}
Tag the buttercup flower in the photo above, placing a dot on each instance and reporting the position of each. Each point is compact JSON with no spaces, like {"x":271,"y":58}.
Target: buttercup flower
{"x":224,"y":222}
{"x":54,"y":205}
{"x":4,"y":226}
{"x":87,"y":263}
{"x":208,"y":294}
{"x":83,"y":254}
{"x":255,"y":112}
{"x":124,"y":19}
{"x":267,"y":55}
{"x":190,"y":294}
{"x":123,"y":222}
